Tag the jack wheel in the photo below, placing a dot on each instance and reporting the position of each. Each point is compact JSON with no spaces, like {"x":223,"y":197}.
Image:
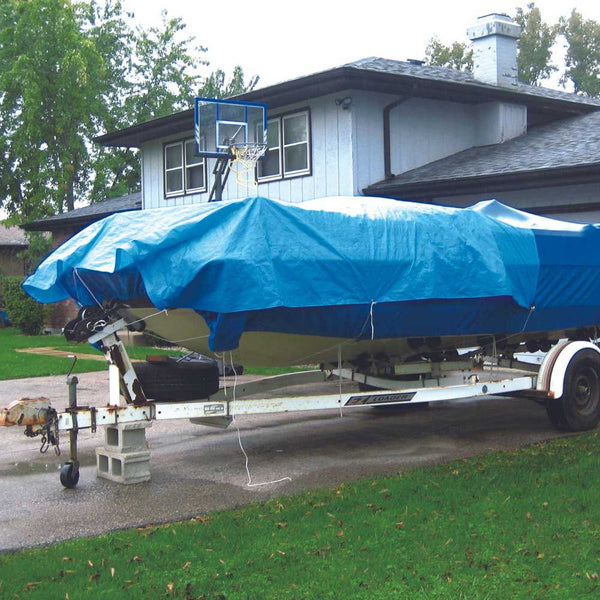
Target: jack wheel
{"x":69,"y":475}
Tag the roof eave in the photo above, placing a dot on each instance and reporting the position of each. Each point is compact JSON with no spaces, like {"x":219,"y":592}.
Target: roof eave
{"x":492,"y":183}
{"x":349,"y":77}
{"x":59,"y":223}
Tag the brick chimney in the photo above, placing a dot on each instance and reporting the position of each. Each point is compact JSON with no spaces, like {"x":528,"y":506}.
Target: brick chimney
{"x":494,"y":38}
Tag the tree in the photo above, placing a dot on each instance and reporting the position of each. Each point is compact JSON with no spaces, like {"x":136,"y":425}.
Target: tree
{"x":535,"y":46}
{"x":69,"y":72}
{"x":457,"y":56}
{"x":216,"y":86}
{"x":51,"y":77}
{"x":582,"y":59}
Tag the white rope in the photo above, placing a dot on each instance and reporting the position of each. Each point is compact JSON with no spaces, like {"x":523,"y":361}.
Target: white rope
{"x":355,"y":340}
{"x":239,"y":437}
{"x":75,"y":272}
{"x":372,"y":322}
{"x":340,"y":378}
{"x":160,"y":312}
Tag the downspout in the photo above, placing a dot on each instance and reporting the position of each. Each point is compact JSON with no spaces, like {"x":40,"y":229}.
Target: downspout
{"x":387,"y":144}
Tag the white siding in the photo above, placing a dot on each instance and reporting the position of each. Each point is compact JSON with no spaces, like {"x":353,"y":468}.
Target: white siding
{"x":367,"y":111}
{"x":331,"y":154}
{"x":423,"y":131}
{"x":498,"y":122}
{"x":347,"y":150}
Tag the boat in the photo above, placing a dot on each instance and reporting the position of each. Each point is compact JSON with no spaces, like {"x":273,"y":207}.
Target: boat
{"x":368,"y":281}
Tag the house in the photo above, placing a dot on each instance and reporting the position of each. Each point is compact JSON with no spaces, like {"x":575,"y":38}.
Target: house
{"x":12,"y":242}
{"x":402,"y":130}
{"x":65,"y":225}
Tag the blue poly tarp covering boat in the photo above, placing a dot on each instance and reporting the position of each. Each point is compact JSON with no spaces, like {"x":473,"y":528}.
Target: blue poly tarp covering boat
{"x":349,"y":267}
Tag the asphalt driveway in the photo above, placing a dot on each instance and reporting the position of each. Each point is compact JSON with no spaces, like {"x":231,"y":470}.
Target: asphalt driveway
{"x":196,"y":469}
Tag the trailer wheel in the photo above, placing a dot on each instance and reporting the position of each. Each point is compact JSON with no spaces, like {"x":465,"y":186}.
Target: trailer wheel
{"x":178,"y":381}
{"x":69,"y":475}
{"x":579,"y":407}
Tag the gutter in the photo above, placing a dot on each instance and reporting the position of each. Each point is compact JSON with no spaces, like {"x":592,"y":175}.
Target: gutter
{"x":387,"y":145}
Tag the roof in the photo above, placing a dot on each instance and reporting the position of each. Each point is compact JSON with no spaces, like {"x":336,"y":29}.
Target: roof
{"x":565,"y":151}
{"x":377,"y":75}
{"x":13,"y":236}
{"x":88,"y":214}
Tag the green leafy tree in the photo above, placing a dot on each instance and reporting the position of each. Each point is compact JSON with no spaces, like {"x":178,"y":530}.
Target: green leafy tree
{"x":582,"y":58}
{"x":23,"y":312}
{"x":70,"y":71}
{"x":51,"y":78}
{"x":535,"y":46}
{"x":217,"y":86}
{"x":457,"y":56}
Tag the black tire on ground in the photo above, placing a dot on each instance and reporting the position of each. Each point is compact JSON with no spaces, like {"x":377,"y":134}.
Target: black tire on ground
{"x":579,"y":407}
{"x":172,"y":382}
{"x":69,"y":475}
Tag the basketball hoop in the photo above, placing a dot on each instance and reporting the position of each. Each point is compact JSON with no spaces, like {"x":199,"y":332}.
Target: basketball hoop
{"x":244,"y":157}
{"x":247,"y":154}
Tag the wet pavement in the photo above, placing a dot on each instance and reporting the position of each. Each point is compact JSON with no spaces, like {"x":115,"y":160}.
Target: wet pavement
{"x":196,"y":469}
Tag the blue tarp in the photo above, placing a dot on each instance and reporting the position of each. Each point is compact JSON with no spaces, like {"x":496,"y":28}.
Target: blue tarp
{"x":323,"y":266}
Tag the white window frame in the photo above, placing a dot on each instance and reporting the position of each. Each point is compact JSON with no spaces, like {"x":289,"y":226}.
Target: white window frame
{"x":183,"y":168}
{"x":283,"y":173}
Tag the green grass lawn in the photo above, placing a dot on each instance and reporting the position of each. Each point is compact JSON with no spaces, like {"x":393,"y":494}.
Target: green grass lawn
{"x":522,"y":524}
{"x":16,"y":365}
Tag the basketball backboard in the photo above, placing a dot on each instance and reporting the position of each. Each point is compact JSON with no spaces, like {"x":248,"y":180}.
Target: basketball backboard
{"x":220,"y":124}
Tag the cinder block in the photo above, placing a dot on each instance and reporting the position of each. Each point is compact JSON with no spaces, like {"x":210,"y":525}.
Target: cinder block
{"x":123,"y":467}
{"x":126,"y":437}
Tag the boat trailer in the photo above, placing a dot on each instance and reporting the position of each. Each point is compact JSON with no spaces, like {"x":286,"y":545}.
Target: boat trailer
{"x":567,"y":383}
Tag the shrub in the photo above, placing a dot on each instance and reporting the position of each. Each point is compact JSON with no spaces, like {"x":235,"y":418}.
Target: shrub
{"x":23,"y":312}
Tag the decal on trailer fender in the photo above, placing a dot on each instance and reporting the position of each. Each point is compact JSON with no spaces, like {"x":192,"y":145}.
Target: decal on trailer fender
{"x":380,"y":398}
{"x":214,"y":409}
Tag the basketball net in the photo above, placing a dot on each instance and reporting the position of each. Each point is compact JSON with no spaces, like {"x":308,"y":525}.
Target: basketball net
{"x":243,"y":161}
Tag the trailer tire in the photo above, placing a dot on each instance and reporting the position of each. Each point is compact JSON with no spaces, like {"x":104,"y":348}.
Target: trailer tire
{"x":579,"y":407}
{"x":178,"y":381}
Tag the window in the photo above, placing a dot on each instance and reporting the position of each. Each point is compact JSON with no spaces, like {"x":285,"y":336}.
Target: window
{"x":288,"y":148}
{"x":185,"y":173}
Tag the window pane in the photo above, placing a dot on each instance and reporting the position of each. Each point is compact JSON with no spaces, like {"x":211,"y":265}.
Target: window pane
{"x":173,"y":156}
{"x":273,"y":134}
{"x":269,"y":166}
{"x":195,"y":177}
{"x":295,"y":129}
{"x":174,"y":181}
{"x":296,"y":158}
{"x":190,"y":154}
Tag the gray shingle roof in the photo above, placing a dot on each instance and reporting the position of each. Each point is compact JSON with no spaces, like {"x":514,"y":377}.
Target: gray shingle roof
{"x":566,"y":144}
{"x":378,"y":75}
{"x":12,"y":236}
{"x":442,"y":74}
{"x":88,"y":214}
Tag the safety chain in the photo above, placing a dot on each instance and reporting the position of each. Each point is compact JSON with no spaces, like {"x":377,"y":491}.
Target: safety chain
{"x":48,"y":431}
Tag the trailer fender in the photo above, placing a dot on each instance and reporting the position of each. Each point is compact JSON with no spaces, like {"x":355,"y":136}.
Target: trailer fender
{"x":552,"y":373}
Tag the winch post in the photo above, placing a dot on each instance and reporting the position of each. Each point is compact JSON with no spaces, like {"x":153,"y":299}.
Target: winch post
{"x":116,"y":354}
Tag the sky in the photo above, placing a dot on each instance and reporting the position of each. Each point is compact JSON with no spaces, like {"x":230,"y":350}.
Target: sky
{"x":280,"y":40}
